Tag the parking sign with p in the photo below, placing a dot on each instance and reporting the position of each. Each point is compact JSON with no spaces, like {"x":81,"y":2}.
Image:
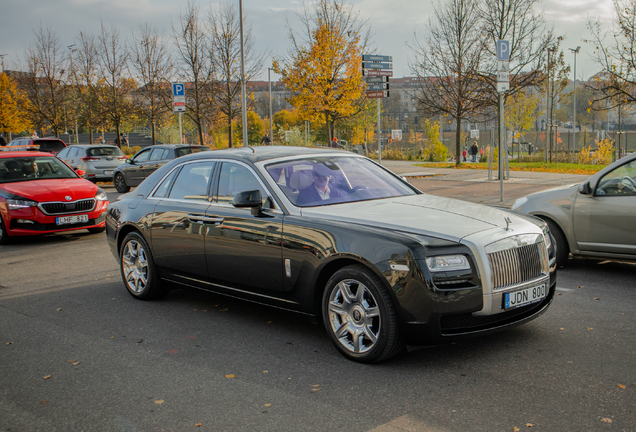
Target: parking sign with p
{"x":503,"y":50}
{"x":178,"y":89}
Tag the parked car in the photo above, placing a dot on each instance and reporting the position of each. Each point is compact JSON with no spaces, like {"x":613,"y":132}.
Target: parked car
{"x":594,"y":219}
{"x":40,"y":194}
{"x":146,"y":161}
{"x":375,"y":259}
{"x":48,"y":145}
{"x":98,"y":161}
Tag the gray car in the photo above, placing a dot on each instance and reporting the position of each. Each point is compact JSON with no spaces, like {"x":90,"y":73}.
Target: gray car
{"x":594,"y":219}
{"x":147,"y":160}
{"x":99,"y":161}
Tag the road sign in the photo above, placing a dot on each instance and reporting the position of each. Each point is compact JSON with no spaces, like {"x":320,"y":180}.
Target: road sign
{"x":377,"y":80}
{"x":178,"y":89}
{"x":376,"y":58}
{"x":367,"y":65}
{"x":378,"y":94}
{"x":382,"y":86}
{"x":503,"y":77}
{"x":376,"y":73}
{"x":503,"y":66}
{"x":503,"y":87}
{"x":503,"y":50}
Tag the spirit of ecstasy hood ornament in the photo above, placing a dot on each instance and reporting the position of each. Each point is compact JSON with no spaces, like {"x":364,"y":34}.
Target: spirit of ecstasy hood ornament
{"x":508,"y":222}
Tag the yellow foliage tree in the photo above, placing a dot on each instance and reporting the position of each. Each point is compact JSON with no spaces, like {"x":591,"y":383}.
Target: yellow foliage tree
{"x":520,"y":112}
{"x":13,"y":107}
{"x":324,"y":73}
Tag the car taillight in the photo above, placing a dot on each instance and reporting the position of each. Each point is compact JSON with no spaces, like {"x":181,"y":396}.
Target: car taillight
{"x":123,"y":157}
{"x":89,"y":159}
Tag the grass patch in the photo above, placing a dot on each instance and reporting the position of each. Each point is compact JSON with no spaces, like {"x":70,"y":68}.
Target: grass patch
{"x":559,"y":168}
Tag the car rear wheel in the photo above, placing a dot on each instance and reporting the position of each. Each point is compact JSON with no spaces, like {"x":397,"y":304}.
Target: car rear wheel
{"x":120,"y":183}
{"x":4,"y":235}
{"x":138,"y":268}
{"x":561,"y":243}
{"x":359,"y":316}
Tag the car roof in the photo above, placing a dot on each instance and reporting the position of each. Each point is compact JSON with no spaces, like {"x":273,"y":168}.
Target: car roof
{"x":92,"y":145}
{"x":255,"y":154}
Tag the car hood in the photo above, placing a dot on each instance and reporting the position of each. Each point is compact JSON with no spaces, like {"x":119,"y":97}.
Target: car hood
{"x":425,"y":214}
{"x":52,"y":190}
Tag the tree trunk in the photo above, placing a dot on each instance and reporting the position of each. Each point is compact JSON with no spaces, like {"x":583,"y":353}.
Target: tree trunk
{"x":328,"y":128}
{"x":230,"y":133}
{"x":152,"y":122}
{"x":458,"y":139}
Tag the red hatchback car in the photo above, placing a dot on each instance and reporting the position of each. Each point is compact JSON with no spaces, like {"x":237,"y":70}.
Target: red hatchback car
{"x":40,"y":194}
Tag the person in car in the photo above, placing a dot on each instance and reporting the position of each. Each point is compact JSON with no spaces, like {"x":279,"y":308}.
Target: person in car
{"x":319,"y":190}
{"x":30,"y":170}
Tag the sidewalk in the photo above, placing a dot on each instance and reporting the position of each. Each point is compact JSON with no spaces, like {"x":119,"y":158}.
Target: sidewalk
{"x":473,"y":185}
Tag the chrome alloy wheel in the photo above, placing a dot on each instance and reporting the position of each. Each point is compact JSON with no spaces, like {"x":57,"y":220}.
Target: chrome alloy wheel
{"x":135,"y":265}
{"x":354,"y":316}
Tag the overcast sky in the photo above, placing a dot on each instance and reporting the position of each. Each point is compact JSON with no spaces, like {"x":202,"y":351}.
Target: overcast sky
{"x":393,"y":23}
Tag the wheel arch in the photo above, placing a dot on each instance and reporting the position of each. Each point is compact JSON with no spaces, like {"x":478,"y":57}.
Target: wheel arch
{"x":565,"y":234}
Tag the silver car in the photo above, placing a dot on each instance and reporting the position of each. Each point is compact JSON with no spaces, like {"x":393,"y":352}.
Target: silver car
{"x":99,"y":161}
{"x":594,"y":219}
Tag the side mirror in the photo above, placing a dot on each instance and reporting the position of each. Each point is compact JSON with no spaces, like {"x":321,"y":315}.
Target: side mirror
{"x":249,"y":198}
{"x":80,"y":172}
{"x":128,"y":161}
{"x":585,"y":189}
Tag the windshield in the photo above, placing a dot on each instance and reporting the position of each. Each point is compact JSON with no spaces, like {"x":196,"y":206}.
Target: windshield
{"x":330,"y":180}
{"x":33,"y":168}
{"x":187,"y":150}
{"x":104,"y":151}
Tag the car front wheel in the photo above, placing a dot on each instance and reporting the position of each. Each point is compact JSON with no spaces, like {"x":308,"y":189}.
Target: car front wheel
{"x":138,"y":268}
{"x":120,"y":183}
{"x":561,"y":243}
{"x":359,"y":316}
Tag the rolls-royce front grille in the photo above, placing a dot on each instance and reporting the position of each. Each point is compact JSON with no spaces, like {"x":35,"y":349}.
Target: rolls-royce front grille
{"x":56,"y":208}
{"x":515,"y":266}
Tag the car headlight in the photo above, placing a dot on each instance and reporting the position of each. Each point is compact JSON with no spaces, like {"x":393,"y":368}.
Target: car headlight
{"x":518,"y":203}
{"x":20,"y":204}
{"x":447,"y":263}
{"x":101,"y":195}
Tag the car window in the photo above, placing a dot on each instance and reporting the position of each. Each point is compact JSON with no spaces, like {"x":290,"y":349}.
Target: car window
{"x":165,"y":185}
{"x":620,"y":181}
{"x":64,"y":153}
{"x":33,"y":168}
{"x":143,"y":156}
{"x":182,"y":151}
{"x":104,"y":151}
{"x":192,"y":181}
{"x":330,"y":180}
{"x":73,"y":152}
{"x":158,"y":154}
{"x":236,"y":178}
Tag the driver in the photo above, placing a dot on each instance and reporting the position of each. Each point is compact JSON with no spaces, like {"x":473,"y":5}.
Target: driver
{"x":30,"y":169}
{"x":319,"y":190}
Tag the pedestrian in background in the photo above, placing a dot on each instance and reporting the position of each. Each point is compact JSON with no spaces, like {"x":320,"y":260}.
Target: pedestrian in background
{"x":464,"y":153}
{"x":481,"y":152}
{"x":474,"y":150}
{"x":3,"y":141}
{"x":266,"y":140}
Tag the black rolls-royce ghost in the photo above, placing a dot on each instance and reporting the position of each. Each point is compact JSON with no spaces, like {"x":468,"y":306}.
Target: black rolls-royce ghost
{"x":335,"y":236}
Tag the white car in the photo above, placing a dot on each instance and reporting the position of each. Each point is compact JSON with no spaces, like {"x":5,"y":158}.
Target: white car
{"x":594,"y":219}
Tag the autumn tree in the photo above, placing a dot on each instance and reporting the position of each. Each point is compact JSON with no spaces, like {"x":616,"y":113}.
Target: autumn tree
{"x":448,"y":64}
{"x":152,"y":61}
{"x":520,"y":111}
{"x":85,"y":69}
{"x":521,"y":23}
{"x":255,"y":129}
{"x":44,"y":80}
{"x":225,"y":52}
{"x":114,"y":75}
{"x":195,"y":67}
{"x":323,"y":67}
{"x":557,"y":79}
{"x":14,"y":106}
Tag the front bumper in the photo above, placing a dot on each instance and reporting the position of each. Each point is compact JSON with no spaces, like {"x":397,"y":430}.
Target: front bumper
{"x":31,"y":221}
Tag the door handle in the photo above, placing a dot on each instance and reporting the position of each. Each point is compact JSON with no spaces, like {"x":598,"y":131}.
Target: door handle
{"x":205,"y":219}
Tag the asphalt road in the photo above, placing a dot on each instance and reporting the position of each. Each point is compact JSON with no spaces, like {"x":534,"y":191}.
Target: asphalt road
{"x":78,"y":353}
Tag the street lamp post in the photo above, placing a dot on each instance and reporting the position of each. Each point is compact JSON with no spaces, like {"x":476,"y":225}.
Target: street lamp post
{"x":72,"y":75}
{"x":548,"y":147}
{"x":271,"y":122}
{"x":575,"y":51}
{"x":243,"y":102}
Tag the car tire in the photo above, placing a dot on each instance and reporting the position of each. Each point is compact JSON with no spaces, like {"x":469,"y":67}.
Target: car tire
{"x":4,"y":235}
{"x":138,"y":268}
{"x":97,"y":230}
{"x":360,"y":317}
{"x":120,"y":183}
{"x":561,"y":244}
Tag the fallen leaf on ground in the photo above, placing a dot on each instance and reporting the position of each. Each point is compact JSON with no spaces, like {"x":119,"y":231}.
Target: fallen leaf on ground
{"x":9,"y":343}
{"x":606,"y":420}
{"x":529,"y":425}
{"x":515,"y":429}
{"x":197,"y":425}
{"x":316,"y":385}
{"x":43,"y":402}
{"x":112,"y":337}
{"x":561,"y":329}
{"x":597,"y":298}
{"x":70,"y":361}
{"x":230,"y":376}
{"x":590,"y":328}
{"x":222,"y":310}
{"x":75,"y":363}
{"x":159,"y":402}
{"x":268,"y":405}
{"x":46,"y":376}
{"x":315,"y":389}
{"x":58,"y":309}
{"x":265,"y":371}
{"x":580,"y":286}
{"x":621,"y":386}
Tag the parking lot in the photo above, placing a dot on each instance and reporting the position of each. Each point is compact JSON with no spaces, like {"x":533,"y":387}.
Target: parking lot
{"x":79,"y":353}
